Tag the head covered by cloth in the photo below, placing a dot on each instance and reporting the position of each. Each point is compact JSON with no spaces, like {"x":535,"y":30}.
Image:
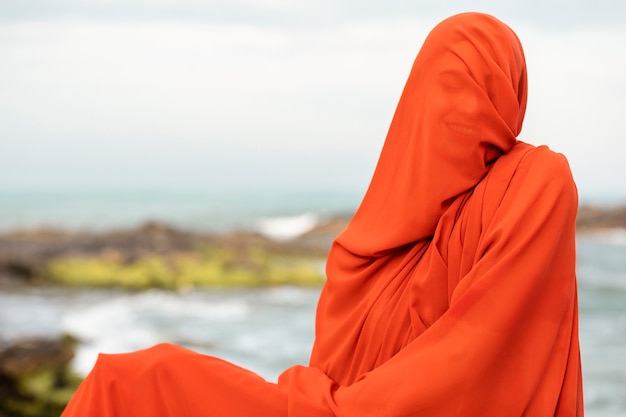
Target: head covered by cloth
{"x":462,"y":107}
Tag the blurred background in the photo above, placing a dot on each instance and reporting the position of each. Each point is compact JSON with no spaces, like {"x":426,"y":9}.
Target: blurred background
{"x":141,"y":138}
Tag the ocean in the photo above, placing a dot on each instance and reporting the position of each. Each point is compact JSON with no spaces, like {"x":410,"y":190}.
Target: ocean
{"x":214,"y":210}
{"x":265,"y":330}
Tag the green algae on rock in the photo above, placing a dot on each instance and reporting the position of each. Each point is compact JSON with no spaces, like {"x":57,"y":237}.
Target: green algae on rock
{"x":156,"y":255}
{"x":35,"y":378}
{"x":208,"y":266}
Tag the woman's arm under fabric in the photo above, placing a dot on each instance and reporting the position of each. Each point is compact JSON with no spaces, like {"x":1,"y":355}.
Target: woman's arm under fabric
{"x":170,"y":381}
{"x":508,"y":345}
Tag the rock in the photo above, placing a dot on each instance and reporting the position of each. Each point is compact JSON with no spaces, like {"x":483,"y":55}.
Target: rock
{"x":35,"y":379}
{"x":22,"y":357}
{"x":593,"y":217}
{"x":157,"y":255}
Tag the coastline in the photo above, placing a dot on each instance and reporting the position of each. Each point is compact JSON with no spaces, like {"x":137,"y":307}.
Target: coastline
{"x":597,"y":218}
{"x":158,"y":255}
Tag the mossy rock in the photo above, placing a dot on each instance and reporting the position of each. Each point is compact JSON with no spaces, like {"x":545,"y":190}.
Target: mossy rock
{"x":42,"y":393}
{"x":35,"y":379}
{"x":208,"y":266}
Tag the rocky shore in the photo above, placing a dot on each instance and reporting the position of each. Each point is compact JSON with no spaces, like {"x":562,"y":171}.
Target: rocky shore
{"x":595,"y":218}
{"x":35,"y":379}
{"x":157,"y":255}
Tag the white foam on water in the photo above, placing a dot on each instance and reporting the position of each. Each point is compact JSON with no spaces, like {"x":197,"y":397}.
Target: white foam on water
{"x":290,"y":295}
{"x":289,"y":227}
{"x":136,"y":321}
{"x":616,"y":237}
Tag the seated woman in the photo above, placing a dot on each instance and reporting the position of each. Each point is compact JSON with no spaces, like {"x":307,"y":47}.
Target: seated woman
{"x":452,"y":292}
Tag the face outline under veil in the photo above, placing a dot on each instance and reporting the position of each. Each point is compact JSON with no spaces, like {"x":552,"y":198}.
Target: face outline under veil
{"x":462,"y":107}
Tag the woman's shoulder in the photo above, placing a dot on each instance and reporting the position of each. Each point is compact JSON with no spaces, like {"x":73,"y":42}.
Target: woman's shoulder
{"x":537,"y":165}
{"x":528,"y":177}
{"x":548,"y":168}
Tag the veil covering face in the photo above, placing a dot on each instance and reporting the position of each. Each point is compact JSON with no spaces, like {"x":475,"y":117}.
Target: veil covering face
{"x":462,"y":107}
{"x":452,"y":292}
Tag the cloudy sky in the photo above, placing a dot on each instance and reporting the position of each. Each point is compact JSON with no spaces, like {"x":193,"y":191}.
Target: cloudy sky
{"x":191,"y":94}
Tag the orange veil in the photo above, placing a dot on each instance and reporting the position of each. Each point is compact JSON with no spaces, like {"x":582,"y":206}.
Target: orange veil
{"x":452,"y":292}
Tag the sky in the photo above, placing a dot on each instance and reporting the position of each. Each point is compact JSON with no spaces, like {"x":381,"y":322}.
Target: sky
{"x":247,"y":94}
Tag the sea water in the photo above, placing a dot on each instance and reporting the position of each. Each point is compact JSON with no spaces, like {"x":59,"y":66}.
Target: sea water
{"x":265,"y":330}
{"x":206,"y":210}
{"x":602,"y":299}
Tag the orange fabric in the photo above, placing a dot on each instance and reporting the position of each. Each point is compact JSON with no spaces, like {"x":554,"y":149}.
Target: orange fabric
{"x":452,"y":292}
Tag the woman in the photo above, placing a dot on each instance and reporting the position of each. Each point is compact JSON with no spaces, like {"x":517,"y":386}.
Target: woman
{"x":452,"y":292}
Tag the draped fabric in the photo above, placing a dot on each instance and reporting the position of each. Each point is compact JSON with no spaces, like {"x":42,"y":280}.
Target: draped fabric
{"x":452,"y":292}
{"x":462,"y":108}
